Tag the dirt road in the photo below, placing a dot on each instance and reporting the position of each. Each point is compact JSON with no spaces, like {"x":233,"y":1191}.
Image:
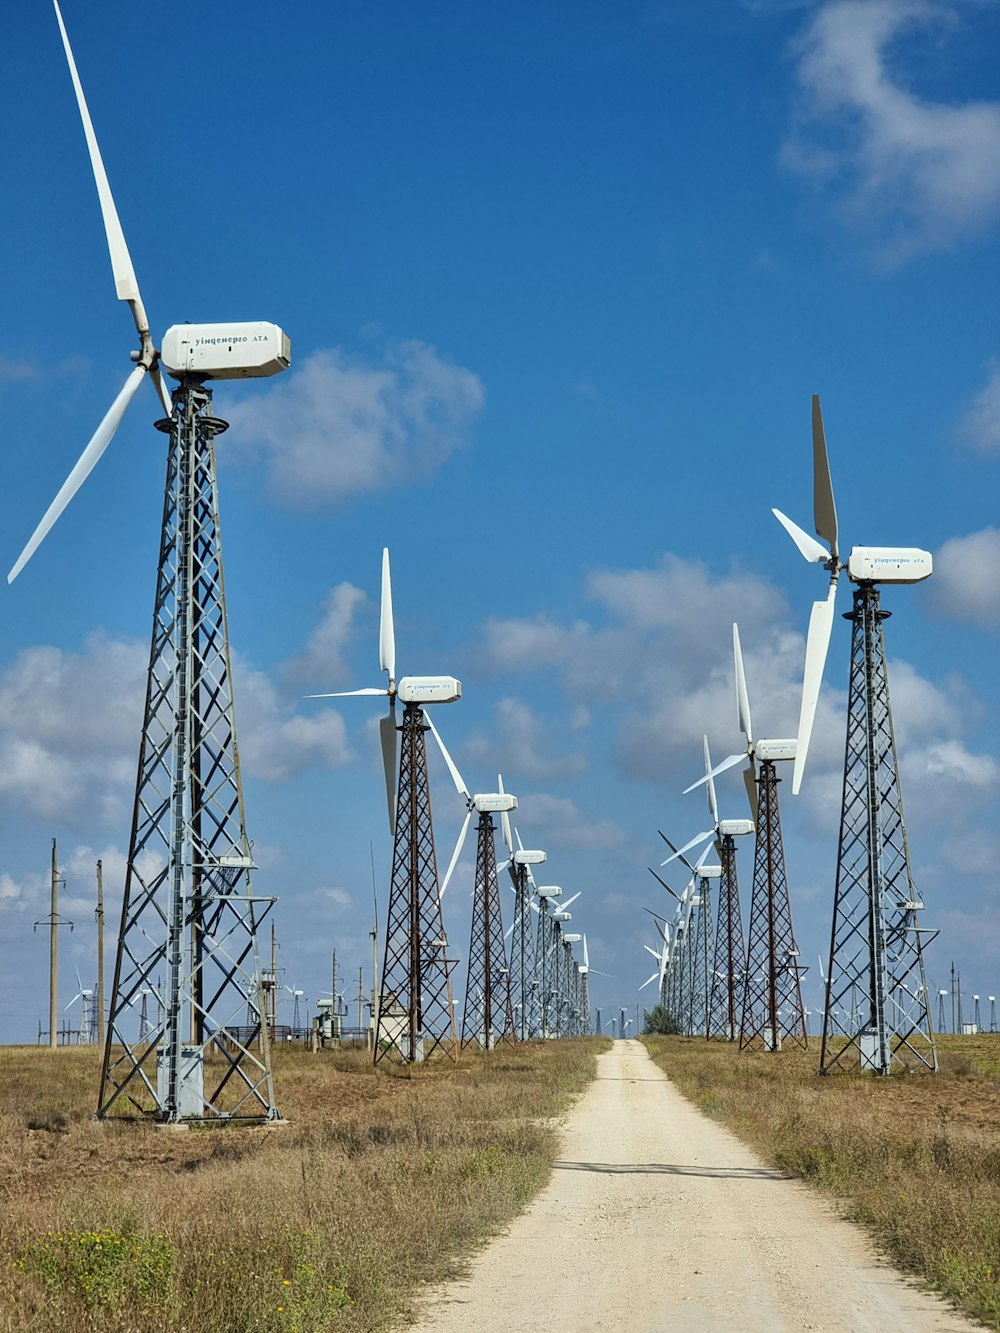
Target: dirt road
{"x":657,"y":1219}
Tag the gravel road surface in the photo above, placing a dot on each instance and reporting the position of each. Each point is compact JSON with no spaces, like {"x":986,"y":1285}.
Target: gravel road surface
{"x":658,"y":1219}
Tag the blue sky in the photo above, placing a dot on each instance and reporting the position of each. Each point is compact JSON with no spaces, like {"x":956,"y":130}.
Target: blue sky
{"x":560,"y":280}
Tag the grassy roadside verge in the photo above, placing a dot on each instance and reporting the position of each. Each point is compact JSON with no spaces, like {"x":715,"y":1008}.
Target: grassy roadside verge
{"x":916,"y":1159}
{"x":380,"y":1183}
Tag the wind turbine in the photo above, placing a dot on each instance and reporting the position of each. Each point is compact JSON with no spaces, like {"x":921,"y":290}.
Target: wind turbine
{"x":524,"y":959}
{"x":88,"y":1016}
{"x":188,"y":901}
{"x":489,"y":972}
{"x":416,"y":1012}
{"x":730,"y":949}
{"x":771,"y":1008}
{"x":876,"y":941}
{"x":697,"y":937}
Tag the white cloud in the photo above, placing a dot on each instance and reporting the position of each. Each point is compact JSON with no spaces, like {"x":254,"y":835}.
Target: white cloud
{"x":70,"y":724}
{"x":556,"y":821}
{"x":966,"y":583}
{"x":520,"y":744}
{"x":981,"y":423}
{"x":920,"y":174}
{"x":338,"y":425}
{"x":321,"y":663}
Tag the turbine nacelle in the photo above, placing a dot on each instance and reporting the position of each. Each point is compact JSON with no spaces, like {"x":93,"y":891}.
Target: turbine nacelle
{"x":562,"y":916}
{"x":549,"y":891}
{"x":225,"y":351}
{"x":773,"y":750}
{"x":488,"y":803}
{"x":734,"y":828}
{"x":429,"y":690}
{"x":523,"y":858}
{"x":889,"y":564}
{"x":710,"y":872}
{"x":572,"y":938}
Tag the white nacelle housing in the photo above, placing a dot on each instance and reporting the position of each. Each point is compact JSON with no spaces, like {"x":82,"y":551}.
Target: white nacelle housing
{"x":775,"y":749}
{"x":529,"y":858}
{"x":562,"y":916}
{"x":549,"y":891}
{"x":889,"y":564}
{"x":710,"y":872}
{"x":494,"y":802}
{"x":735,"y":828}
{"x":226,"y":351}
{"x":572,"y":939}
{"x":429,"y":690}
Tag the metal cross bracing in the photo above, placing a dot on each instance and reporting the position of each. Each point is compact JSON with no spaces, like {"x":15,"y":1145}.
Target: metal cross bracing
{"x":488,"y":1016}
{"x":772,"y":1010}
{"x":701,"y":953}
{"x":544,"y":963}
{"x":876,"y":979}
{"x":416,"y":1013}
{"x":586,"y":1027}
{"x":730,"y":949}
{"x":526,"y":991}
{"x":189,"y":915}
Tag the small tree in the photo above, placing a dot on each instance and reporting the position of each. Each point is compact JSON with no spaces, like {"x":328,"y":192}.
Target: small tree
{"x":658,"y":1020}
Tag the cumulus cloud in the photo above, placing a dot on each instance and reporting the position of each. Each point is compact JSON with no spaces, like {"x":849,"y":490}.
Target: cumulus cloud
{"x":923,"y":173}
{"x":339,"y":425}
{"x":981,"y":423}
{"x":659,"y":652}
{"x":321,"y":663}
{"x":522,"y":744}
{"x":70,"y":721}
{"x":966,"y":585}
{"x":556,"y":821}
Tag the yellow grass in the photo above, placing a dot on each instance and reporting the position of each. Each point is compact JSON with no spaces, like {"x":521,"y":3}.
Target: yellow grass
{"x":380,"y":1182}
{"x":915,"y":1158}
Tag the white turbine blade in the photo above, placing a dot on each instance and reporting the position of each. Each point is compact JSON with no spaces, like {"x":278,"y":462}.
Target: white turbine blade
{"x":713,"y":805}
{"x":654,"y":952}
{"x":345,"y":694}
{"x":161,"y":389}
{"x":663,"y":882}
{"x":731,"y":762}
{"x":86,"y":463}
{"x":586,"y":959}
{"x":504,"y":817}
{"x":387,"y":736}
{"x":456,"y":777}
{"x":710,"y":833}
{"x":502,"y":865}
{"x":648,"y":980}
{"x":121,"y":263}
{"x":824,"y":506}
{"x":742,"y":697}
{"x":563,"y":904}
{"x":386,"y":631}
{"x":73,"y":1001}
{"x":705,"y":854}
{"x":750,"y":779}
{"x":457,"y":852}
{"x":808,"y":546}
{"x":817,"y":644}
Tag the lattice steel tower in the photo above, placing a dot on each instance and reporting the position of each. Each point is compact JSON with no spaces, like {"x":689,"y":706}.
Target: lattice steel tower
{"x":416,"y":1013}
{"x":730,"y":949}
{"x":876,"y":947}
{"x":772,"y":1010}
{"x":488,"y":1016}
{"x":525,"y":981}
{"x":189,"y":916}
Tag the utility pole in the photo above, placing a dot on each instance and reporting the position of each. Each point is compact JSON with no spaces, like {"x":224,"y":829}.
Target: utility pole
{"x":361,"y":1000}
{"x":100,"y":954}
{"x":53,"y":922}
{"x":54,"y":953}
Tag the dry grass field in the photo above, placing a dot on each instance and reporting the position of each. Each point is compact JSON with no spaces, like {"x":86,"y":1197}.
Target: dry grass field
{"x":915,"y":1158}
{"x":380,"y":1182}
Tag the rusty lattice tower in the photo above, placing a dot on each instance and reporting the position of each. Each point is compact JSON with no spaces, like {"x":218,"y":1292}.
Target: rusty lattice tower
{"x":488,"y":1015}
